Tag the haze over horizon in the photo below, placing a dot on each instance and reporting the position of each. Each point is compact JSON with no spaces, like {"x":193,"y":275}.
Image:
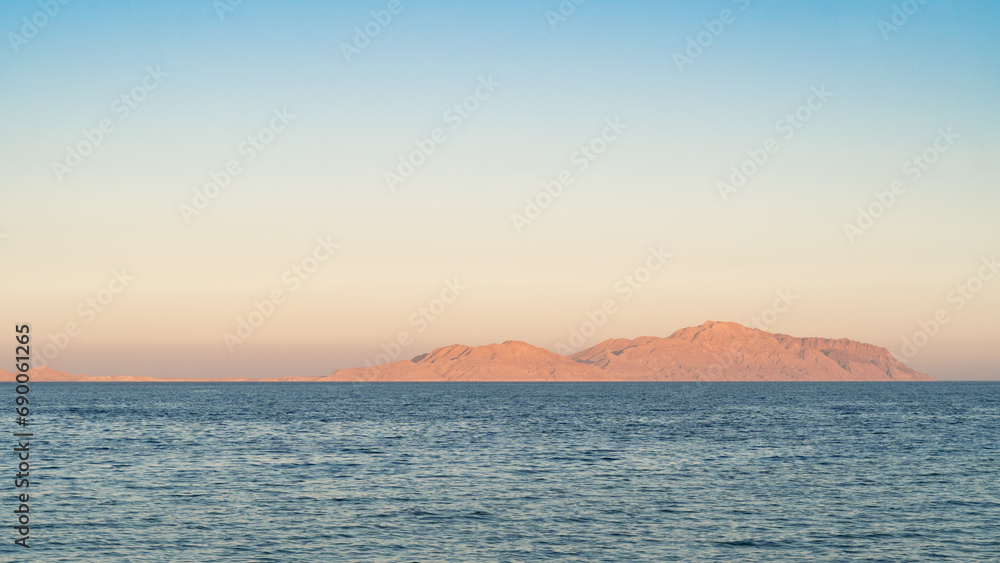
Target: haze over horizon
{"x":302,"y":125}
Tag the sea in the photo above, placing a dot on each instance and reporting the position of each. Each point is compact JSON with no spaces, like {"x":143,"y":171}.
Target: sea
{"x":460,"y":472}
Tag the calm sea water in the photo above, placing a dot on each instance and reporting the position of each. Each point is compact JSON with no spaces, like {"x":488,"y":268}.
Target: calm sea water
{"x":512,"y":472}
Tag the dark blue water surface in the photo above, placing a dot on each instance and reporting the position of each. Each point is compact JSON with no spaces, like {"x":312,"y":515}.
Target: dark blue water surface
{"x":511,"y":472}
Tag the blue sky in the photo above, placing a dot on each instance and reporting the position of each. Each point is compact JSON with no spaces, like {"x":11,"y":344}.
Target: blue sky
{"x":655,"y":185}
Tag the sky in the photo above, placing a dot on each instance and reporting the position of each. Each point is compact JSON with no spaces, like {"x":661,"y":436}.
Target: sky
{"x":198,"y":189}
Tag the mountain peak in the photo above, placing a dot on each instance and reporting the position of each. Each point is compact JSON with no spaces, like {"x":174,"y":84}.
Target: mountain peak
{"x":713,"y":330}
{"x":726,"y":351}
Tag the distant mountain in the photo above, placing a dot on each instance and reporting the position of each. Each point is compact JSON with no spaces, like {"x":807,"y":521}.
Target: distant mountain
{"x":717,"y":351}
{"x":510,"y":361}
{"x":714,"y":351}
{"x":45,"y":373}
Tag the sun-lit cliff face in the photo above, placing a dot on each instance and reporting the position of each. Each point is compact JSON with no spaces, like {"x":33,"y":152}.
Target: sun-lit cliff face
{"x":714,"y":351}
{"x":717,"y":351}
